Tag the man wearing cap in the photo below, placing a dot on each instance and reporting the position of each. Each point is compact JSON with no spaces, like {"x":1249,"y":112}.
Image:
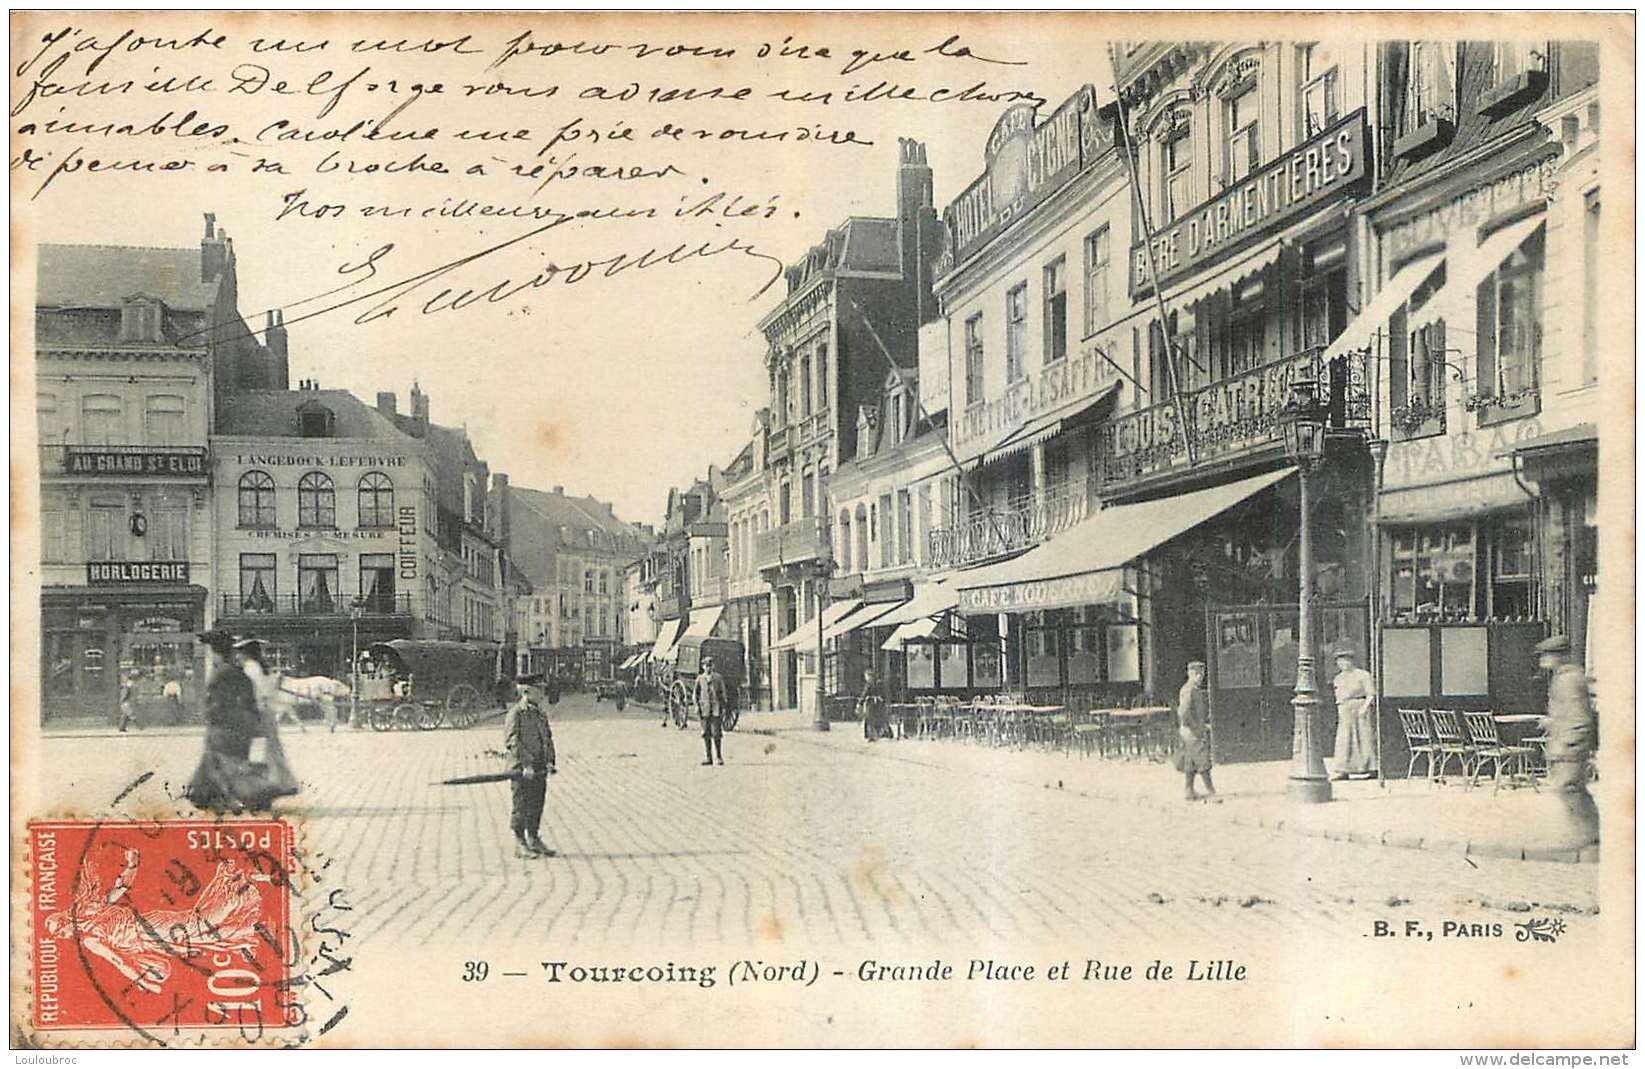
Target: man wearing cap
{"x":1572,"y":734}
{"x":530,"y":744}
{"x":231,"y":722}
{"x":1356,"y":749}
{"x":711,"y":703}
{"x":1194,"y":728}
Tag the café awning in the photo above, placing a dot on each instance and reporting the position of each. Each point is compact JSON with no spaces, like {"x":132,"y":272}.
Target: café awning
{"x":869,"y":614}
{"x":912,"y":630}
{"x":806,"y":633}
{"x":1254,"y":262}
{"x":667,"y":636}
{"x":1085,"y":565}
{"x":703,"y":622}
{"x":1452,"y":500}
{"x":930,"y":598}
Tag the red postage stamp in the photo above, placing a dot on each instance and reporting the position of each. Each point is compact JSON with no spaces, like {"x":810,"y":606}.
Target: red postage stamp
{"x":162,"y":926}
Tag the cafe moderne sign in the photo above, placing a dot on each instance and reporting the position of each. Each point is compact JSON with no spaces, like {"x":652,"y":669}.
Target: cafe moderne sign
{"x":1321,"y":169}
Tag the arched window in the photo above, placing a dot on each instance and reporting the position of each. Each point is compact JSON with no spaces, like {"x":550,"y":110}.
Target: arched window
{"x":845,"y":540}
{"x":316,"y":500}
{"x":376,"y":500}
{"x":257,"y":499}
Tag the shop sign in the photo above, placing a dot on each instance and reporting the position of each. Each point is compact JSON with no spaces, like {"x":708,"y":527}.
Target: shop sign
{"x":1024,"y":165}
{"x":1446,"y":458}
{"x":1075,"y":378}
{"x":157,"y":624}
{"x":408,"y":541}
{"x":1321,"y":170}
{"x":365,"y":534}
{"x":112,"y":573}
{"x":1471,"y":208}
{"x":143,"y":462}
{"x":317,"y":460}
{"x":1092,"y":588}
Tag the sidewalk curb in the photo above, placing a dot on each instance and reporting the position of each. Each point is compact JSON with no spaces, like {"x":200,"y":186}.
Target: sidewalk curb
{"x":1586,"y":855}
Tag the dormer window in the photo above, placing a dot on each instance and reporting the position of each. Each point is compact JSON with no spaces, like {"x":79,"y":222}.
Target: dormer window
{"x":140,"y":320}
{"x":315,"y":420}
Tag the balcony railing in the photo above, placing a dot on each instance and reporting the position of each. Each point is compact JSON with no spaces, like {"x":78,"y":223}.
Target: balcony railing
{"x":779,"y":443}
{"x":1235,"y":415}
{"x":1025,"y":522}
{"x":125,"y":461}
{"x":671,"y":606}
{"x":333,"y":607}
{"x":793,"y":543}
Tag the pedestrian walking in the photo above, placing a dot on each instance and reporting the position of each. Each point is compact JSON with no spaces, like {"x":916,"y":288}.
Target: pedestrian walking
{"x":1194,"y":729}
{"x":128,"y":700}
{"x":871,"y":708}
{"x":225,"y":778}
{"x":711,"y":705}
{"x":1573,"y":735}
{"x":265,"y":687}
{"x":530,"y":744}
{"x":173,"y":693}
{"x":1356,"y":749}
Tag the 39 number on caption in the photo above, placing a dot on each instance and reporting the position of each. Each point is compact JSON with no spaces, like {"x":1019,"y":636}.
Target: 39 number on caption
{"x":475,"y":971}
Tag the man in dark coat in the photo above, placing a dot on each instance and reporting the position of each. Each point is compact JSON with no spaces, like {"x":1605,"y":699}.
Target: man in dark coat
{"x":1194,"y":728}
{"x":1573,"y":734}
{"x":711,"y":706}
{"x":225,"y":778}
{"x":530,"y":743}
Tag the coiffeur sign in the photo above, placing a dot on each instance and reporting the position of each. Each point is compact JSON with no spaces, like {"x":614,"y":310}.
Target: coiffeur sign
{"x":1320,"y":170}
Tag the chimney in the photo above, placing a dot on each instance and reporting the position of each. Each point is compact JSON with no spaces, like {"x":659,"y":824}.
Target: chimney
{"x":214,"y":250}
{"x":499,"y":487}
{"x":419,"y":404}
{"x":919,"y":231}
{"x":274,"y":341}
{"x":386,"y":403}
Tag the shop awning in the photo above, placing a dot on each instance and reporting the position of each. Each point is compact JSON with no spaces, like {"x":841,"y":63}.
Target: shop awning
{"x":1085,"y":565}
{"x":1251,"y":263}
{"x":806,"y":633}
{"x":930,"y":598}
{"x":703,"y":622}
{"x":1043,"y":428}
{"x":1463,"y":277}
{"x":1452,"y":500}
{"x":868,"y":615}
{"x":1582,"y":435}
{"x":1374,"y":316}
{"x":912,"y":630}
{"x":663,"y":648}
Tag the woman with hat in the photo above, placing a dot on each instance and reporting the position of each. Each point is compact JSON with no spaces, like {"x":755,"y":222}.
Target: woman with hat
{"x":1356,"y":749}
{"x":266,"y":686}
{"x":226,"y":779}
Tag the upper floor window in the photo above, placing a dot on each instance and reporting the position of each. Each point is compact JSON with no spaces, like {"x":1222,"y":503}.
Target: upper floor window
{"x":45,"y":410}
{"x":376,"y":500}
{"x":1514,"y":59}
{"x":605,"y":583}
{"x":844,"y":551}
{"x":822,"y":377}
{"x":1431,"y":84}
{"x":316,"y":501}
{"x":1016,"y":330}
{"x":1243,"y":140}
{"x":1510,"y":324}
{"x":973,"y":359}
{"x":1319,"y":77}
{"x":1176,"y":172}
{"x":103,"y":419}
{"x":106,"y":530}
{"x":1056,"y":310}
{"x":1097,"y":314}
{"x":256,"y":499}
{"x":140,"y":320}
{"x":168,"y":536}
{"x":163,"y":420}
{"x":805,"y":386}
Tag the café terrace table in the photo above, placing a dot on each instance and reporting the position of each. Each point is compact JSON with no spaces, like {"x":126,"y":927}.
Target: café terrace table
{"x":1141,"y":731}
{"x":1520,"y":722}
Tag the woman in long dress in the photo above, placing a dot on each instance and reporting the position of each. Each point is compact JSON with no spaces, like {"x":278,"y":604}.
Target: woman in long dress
{"x":226,"y":779}
{"x":266,"y":685}
{"x":1356,"y":748}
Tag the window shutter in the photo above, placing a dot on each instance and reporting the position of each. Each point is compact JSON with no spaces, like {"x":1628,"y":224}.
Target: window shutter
{"x":1398,"y":361}
{"x":1485,"y":340}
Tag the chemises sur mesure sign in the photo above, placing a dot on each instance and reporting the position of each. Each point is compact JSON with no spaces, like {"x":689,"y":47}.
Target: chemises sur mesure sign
{"x":1320,"y":170}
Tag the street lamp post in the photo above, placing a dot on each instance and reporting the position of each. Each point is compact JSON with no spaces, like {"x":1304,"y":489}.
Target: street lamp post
{"x":356,"y":609}
{"x":1302,"y":425}
{"x":819,"y":719}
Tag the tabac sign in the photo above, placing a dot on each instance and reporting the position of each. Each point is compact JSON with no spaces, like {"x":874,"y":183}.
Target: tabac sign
{"x":1025,"y":164}
{"x":1318,"y":171}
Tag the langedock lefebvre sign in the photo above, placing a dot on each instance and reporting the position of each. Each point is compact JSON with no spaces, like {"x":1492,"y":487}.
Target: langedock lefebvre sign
{"x":1024,"y":164}
{"x":1320,"y":170}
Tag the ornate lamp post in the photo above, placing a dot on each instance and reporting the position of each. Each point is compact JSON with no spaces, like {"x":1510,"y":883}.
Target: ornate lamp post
{"x":1302,"y":425}
{"x":356,"y":609}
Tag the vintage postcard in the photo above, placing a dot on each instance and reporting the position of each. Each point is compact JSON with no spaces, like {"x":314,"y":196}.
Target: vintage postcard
{"x":785,"y":529}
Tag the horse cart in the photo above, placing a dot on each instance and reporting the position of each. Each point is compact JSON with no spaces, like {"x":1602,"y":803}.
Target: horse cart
{"x":682,"y":687}
{"x":412,"y":683}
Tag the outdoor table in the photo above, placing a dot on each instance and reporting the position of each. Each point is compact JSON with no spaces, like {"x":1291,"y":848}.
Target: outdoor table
{"x":1521,"y":722}
{"x":1138,"y":725}
{"x":902,"y":714}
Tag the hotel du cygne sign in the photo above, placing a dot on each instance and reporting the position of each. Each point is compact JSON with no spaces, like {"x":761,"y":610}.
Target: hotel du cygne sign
{"x":1318,"y":171}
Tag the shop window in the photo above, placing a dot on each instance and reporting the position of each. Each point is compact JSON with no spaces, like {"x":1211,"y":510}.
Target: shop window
{"x":1097,"y":314}
{"x":1042,"y":648}
{"x":1509,"y":341}
{"x":1512,"y":572}
{"x":256,"y":499}
{"x":1016,"y":331}
{"x":973,"y":359}
{"x":1433,"y":572}
{"x":257,"y":582}
{"x":316,"y":501}
{"x":106,"y":531}
{"x":1242,"y":135}
{"x":1320,"y":77}
{"x":1056,"y":310}
{"x":1176,"y":173}
{"x":1085,"y":640}
{"x":317,"y":584}
{"x":377,"y":582}
{"x":921,"y":660}
{"x":103,"y":419}
{"x":1124,"y":653}
{"x":905,"y":527}
{"x":376,"y":500}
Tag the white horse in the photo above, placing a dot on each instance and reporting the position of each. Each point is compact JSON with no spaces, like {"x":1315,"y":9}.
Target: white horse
{"x":323,"y":691}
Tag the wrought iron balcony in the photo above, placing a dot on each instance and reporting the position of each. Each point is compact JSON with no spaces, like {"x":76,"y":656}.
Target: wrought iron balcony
{"x":798,"y":542}
{"x":1026,"y":522}
{"x":1229,"y":417}
{"x":328,"y":607}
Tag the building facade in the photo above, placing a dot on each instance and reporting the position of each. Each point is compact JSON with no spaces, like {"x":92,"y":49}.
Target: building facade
{"x":130,"y":346}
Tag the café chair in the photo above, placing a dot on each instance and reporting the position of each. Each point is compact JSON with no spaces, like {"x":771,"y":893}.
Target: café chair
{"x":1451,"y":742}
{"x":1418,"y":740}
{"x":1488,"y":746}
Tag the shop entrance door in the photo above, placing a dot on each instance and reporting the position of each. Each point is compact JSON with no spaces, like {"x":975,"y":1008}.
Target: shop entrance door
{"x":1251,"y":669}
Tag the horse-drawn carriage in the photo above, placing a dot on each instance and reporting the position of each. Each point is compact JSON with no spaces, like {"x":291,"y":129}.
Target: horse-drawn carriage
{"x":412,"y":683}
{"x":682,"y":689}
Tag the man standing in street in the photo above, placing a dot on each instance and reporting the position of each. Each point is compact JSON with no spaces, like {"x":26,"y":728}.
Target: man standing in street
{"x":128,"y":699}
{"x":1356,"y":749}
{"x":1572,"y":732}
{"x":530,"y":744}
{"x":711,"y":703}
{"x":1194,"y":729}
